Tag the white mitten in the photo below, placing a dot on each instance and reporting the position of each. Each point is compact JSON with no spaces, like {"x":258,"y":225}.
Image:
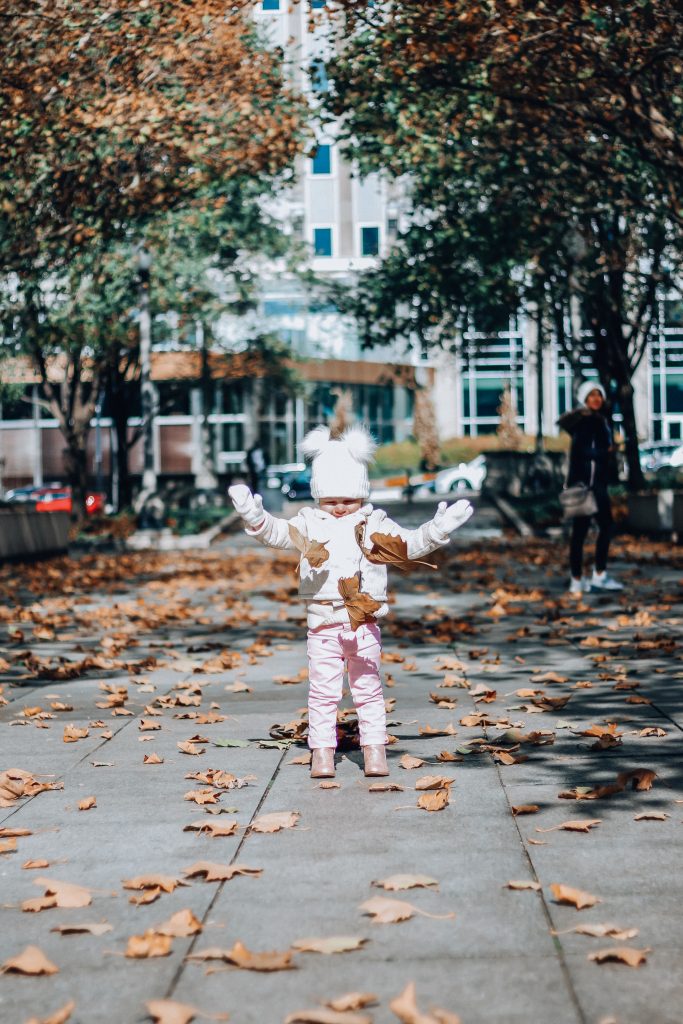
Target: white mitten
{"x":449,"y":517}
{"x":247,"y":505}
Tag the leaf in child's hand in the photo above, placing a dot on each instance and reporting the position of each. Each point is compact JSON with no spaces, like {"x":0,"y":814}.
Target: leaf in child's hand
{"x":314,"y":551}
{"x":360,"y":606}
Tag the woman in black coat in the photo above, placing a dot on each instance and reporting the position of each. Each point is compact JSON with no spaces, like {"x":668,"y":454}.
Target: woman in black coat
{"x":589,"y":464}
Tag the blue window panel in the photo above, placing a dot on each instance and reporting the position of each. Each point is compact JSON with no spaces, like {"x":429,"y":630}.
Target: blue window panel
{"x":322,"y":161}
{"x":318,"y":75}
{"x":322,"y":241}
{"x":281,"y":307}
{"x":316,"y":4}
{"x":271,"y":5}
{"x":369,"y":241}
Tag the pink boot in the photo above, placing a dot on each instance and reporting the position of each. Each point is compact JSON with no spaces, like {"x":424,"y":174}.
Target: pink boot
{"x":375,"y":759}
{"x":322,"y":763}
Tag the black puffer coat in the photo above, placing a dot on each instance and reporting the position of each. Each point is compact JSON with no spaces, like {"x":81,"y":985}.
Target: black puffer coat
{"x":591,"y":442}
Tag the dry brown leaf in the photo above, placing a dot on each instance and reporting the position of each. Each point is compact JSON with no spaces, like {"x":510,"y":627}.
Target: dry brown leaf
{"x":188,"y":747}
{"x":446,"y":730}
{"x":601,"y":931}
{"x":523,"y":884}
{"x":215,"y":829}
{"x":579,"y":825}
{"x":314,"y":551}
{"x":352,"y":1001}
{"x":640,"y":778}
{"x":435,"y":800}
{"x":87,"y":803}
{"x":72,"y":733}
{"x":622,"y":955}
{"x":385,"y":787}
{"x":408,"y":761}
{"x":573,"y":897}
{"x":202,"y":796}
{"x":651,"y":816}
{"x":151,"y":944}
{"x":33,"y":865}
{"x":32,"y":961}
{"x":152,"y":759}
{"x":168,"y":1011}
{"x":275,"y":821}
{"x":60,"y":1016}
{"x":301,"y":759}
{"x":394,"y":883}
{"x":180,"y":925}
{"x":331,"y":944}
{"x":326,"y":1015}
{"x":76,"y":928}
{"x":65,"y":894}
{"x":434,"y":782}
{"x":405,"y":1007}
{"x":518,"y":809}
{"x":389,"y":550}
{"x":219,"y":872}
{"x":14,"y":833}
{"x":384,"y":910}
{"x":360,"y":606}
{"x":8,"y":845}
{"x":167,"y":883}
{"x":244,"y":958}
{"x":328,"y":784}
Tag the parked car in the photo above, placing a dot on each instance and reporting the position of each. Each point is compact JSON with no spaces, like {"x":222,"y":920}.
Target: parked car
{"x":676,"y":458}
{"x":278,"y":475}
{"x":467,"y":476}
{"x":657,"y":454}
{"x":299,"y":487}
{"x":20,"y":495}
{"x":58,"y":499}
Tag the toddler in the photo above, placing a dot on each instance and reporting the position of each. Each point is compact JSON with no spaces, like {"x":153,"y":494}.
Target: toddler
{"x":345,"y":546}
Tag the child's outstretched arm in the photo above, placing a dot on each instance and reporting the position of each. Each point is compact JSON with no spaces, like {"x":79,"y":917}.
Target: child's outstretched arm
{"x":258,"y":523}
{"x":433,"y":534}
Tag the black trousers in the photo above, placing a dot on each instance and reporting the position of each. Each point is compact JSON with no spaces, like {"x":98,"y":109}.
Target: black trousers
{"x":580,"y":527}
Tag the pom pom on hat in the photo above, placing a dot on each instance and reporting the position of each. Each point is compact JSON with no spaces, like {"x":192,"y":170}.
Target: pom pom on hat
{"x":586,"y":388}
{"x":339,"y":465}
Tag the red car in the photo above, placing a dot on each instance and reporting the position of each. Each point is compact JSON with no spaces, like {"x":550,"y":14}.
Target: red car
{"x":58,"y":499}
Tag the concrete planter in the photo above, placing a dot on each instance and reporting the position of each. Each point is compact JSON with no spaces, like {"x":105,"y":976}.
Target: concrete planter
{"x":25,"y":533}
{"x":516,"y":474}
{"x":657,"y":512}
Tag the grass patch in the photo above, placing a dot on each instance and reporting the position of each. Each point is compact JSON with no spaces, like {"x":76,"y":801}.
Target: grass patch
{"x":405,"y":455}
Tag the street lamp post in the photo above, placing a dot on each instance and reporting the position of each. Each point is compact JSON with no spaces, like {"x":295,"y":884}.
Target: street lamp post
{"x":149,"y":476}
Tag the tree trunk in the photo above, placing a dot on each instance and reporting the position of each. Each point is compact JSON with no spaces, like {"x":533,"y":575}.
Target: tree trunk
{"x":75,"y":464}
{"x":636,"y":479}
{"x":207,"y":478}
{"x":120,"y":420}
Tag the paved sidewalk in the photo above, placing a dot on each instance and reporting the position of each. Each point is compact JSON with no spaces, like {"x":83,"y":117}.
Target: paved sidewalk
{"x":229,"y":645}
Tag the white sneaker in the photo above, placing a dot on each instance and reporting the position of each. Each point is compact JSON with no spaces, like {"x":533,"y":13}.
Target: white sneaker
{"x":601,"y":581}
{"x":577,"y":586}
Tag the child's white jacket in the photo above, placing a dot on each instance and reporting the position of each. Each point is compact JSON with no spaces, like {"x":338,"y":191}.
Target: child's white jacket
{"x":319,"y":587}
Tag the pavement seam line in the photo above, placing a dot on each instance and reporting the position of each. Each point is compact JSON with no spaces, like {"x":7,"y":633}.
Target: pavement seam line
{"x":219,"y":888}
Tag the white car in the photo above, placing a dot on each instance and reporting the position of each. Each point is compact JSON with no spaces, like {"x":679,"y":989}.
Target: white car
{"x":468,"y":476}
{"x":676,"y":459}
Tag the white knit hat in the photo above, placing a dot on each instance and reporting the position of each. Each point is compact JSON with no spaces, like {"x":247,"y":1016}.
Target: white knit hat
{"x":586,"y":388}
{"x":340,"y":465}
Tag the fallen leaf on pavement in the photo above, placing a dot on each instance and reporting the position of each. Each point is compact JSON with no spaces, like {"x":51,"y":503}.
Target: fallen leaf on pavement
{"x":434,"y":782}
{"x":301,"y":759}
{"x":601,"y":931}
{"x":65,"y":894}
{"x":31,"y":961}
{"x":384,"y":910}
{"x":87,"y":803}
{"x":188,"y":747}
{"x":92,"y":928}
{"x":522,"y":885}
{"x":408,"y":761}
{"x":168,"y":1011}
{"x":328,"y":784}
{"x":215,"y":829}
{"x":621,"y":954}
{"x":151,"y":944}
{"x":575,"y":897}
{"x":352,"y":1001}
{"x":152,"y":759}
{"x":651,"y":816}
{"x":394,"y":883}
{"x":580,"y":825}
{"x":325,"y":1015}
{"x":167,"y":883}
{"x":275,"y":821}
{"x":435,"y":800}
{"x":244,"y":958}
{"x":219,"y":872}
{"x":385,"y":787}
{"x":405,"y":1008}
{"x":202,"y":796}
{"x":58,"y":1017}
{"x":72,"y":733}
{"x":428,"y":730}
{"x":332,"y":944}
{"x":180,"y":925}
{"x":524,"y":809}
{"x":33,"y":865}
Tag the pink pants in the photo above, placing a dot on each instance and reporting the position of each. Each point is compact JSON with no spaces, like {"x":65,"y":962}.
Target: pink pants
{"x":329,"y":647}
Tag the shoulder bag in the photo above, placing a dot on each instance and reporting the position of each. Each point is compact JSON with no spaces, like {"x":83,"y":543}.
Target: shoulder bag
{"x":579,"y":499}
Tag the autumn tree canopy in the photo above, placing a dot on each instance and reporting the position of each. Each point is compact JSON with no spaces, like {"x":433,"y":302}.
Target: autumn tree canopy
{"x":540,"y":146}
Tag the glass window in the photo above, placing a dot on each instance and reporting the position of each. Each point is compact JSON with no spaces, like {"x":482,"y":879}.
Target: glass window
{"x":322,"y":241}
{"x":673,"y":313}
{"x":233,"y":398}
{"x":317,"y":4}
{"x":488,"y":397}
{"x":321,"y":163}
{"x":174,"y":398}
{"x":674,"y":392}
{"x":282,"y":307}
{"x":318,"y":75}
{"x":656,"y":393}
{"x":271,"y":5}
{"x":233,"y":437}
{"x":369,"y":241}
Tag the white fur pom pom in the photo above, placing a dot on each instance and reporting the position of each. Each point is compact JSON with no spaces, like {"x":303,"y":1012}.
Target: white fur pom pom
{"x":360,"y":444}
{"x":315,"y":442}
